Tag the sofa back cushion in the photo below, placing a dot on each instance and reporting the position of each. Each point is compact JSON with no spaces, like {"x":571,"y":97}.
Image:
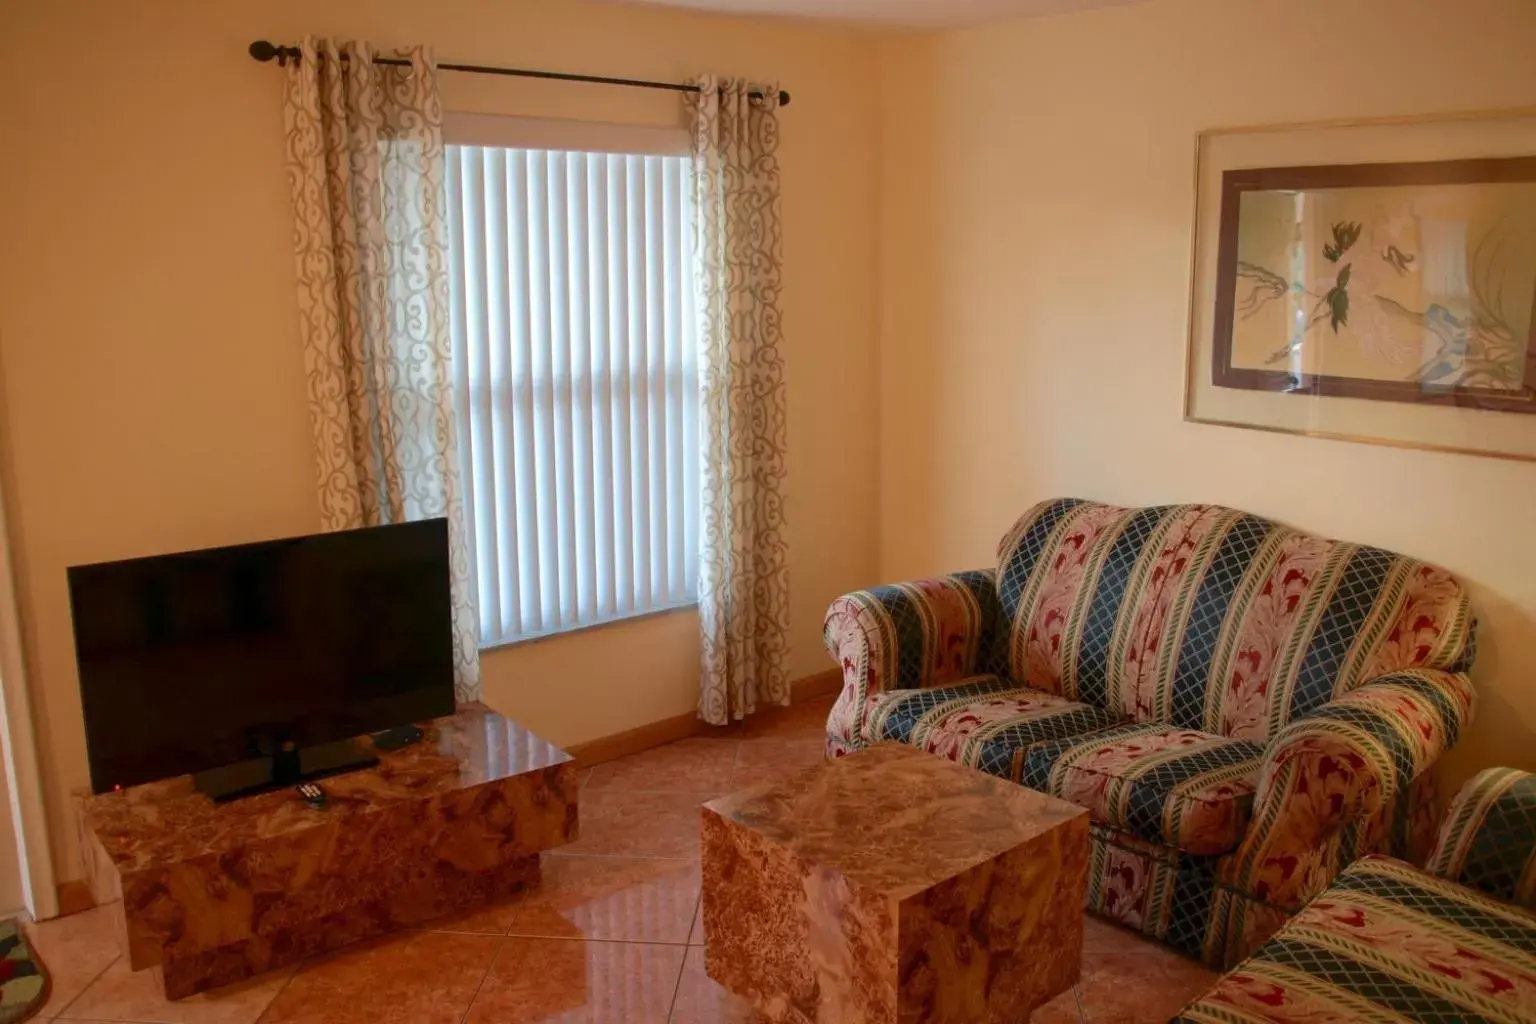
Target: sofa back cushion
{"x":1213,"y":619}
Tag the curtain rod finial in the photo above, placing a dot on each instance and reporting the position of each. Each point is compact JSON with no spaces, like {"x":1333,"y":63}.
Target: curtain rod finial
{"x":265,"y":51}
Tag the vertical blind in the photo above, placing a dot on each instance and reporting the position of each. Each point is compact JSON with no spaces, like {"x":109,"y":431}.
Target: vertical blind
{"x":576,"y":384}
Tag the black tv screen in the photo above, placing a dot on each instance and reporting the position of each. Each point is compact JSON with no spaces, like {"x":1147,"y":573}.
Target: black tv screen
{"x":194,"y":661}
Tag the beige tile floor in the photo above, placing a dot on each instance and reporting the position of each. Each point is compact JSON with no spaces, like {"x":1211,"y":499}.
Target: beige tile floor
{"x":612,"y":935}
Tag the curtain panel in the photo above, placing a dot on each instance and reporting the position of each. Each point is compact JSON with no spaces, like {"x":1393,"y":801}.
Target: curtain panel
{"x":365,"y":167}
{"x":743,"y":563}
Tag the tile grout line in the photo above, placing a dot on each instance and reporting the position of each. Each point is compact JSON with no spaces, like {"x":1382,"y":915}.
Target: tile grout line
{"x":86,"y":987}
{"x":580,"y":938}
{"x":481,"y":984}
{"x":698,"y":901}
{"x":677,"y":986}
{"x":698,"y":918}
{"x":281,"y":988}
{"x":735,"y":767}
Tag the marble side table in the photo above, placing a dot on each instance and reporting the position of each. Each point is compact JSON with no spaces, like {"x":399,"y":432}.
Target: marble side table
{"x":894,"y":887}
{"x":214,"y":893}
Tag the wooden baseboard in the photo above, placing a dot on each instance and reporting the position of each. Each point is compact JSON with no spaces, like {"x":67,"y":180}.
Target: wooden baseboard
{"x":75,"y":897}
{"x":681,"y":727}
{"x":822,"y":684}
{"x":633,"y":741}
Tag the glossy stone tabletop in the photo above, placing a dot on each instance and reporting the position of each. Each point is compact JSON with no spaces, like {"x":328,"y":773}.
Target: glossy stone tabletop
{"x":152,"y":824}
{"x":894,"y":818}
{"x":893,"y":887}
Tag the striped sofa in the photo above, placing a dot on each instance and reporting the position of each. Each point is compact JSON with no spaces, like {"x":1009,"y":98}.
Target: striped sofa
{"x":1243,"y":707}
{"x":1388,"y":942}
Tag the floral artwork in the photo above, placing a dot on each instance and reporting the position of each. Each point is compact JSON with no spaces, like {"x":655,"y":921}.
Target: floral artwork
{"x":1400,"y":282}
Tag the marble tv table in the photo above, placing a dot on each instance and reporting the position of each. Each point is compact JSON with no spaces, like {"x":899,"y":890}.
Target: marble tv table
{"x":894,"y":886}
{"x":218,"y":892}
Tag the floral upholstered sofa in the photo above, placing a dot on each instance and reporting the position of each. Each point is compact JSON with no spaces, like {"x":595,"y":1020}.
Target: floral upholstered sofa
{"x":1244,"y":708}
{"x":1388,"y":942}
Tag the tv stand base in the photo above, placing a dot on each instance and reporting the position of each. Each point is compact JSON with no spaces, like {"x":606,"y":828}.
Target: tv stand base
{"x":216,"y":892}
{"x":247,"y":778}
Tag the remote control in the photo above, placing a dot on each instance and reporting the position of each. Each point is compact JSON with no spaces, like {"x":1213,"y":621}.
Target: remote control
{"x":312,"y":794}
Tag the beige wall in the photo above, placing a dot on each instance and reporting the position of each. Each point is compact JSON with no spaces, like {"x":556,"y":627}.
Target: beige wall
{"x":1036,"y":231}
{"x":153,"y":380}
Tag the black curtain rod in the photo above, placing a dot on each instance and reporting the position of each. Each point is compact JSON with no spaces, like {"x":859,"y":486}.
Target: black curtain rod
{"x":264,"y":51}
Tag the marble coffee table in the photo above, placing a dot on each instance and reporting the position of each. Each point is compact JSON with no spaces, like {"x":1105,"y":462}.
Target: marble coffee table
{"x":894,"y":887}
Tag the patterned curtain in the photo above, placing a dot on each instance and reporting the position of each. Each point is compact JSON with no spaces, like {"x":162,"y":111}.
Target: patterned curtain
{"x":365,"y":164}
{"x":743,"y":572}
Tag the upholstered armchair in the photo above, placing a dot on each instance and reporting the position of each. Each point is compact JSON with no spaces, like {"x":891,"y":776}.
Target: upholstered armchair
{"x":1386,"y":940}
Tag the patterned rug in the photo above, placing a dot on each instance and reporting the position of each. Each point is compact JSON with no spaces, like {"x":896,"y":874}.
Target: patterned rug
{"x":23,"y":979}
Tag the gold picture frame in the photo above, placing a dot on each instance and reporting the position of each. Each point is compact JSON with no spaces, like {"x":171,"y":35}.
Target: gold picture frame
{"x":1446,"y":418}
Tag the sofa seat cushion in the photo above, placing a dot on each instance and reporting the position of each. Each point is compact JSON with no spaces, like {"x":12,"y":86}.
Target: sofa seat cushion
{"x":984,"y":722}
{"x":1385,"y":942}
{"x":1179,"y":787}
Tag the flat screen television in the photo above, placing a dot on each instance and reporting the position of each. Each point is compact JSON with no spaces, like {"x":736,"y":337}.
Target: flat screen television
{"x":257,"y":665}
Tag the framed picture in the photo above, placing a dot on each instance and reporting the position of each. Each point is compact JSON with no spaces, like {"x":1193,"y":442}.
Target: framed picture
{"x":1370,"y":281}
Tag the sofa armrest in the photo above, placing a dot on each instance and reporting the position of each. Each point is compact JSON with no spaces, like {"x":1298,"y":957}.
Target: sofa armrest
{"x":1488,"y":838}
{"x":906,"y":636}
{"x":1346,"y":762}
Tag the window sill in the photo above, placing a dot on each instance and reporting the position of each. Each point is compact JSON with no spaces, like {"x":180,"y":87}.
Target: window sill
{"x":587,"y":627}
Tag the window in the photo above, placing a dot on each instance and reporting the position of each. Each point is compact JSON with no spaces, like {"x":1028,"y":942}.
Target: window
{"x":576,"y":383}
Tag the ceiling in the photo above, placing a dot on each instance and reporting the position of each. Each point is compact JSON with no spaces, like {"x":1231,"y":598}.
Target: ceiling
{"x":895,"y":13}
